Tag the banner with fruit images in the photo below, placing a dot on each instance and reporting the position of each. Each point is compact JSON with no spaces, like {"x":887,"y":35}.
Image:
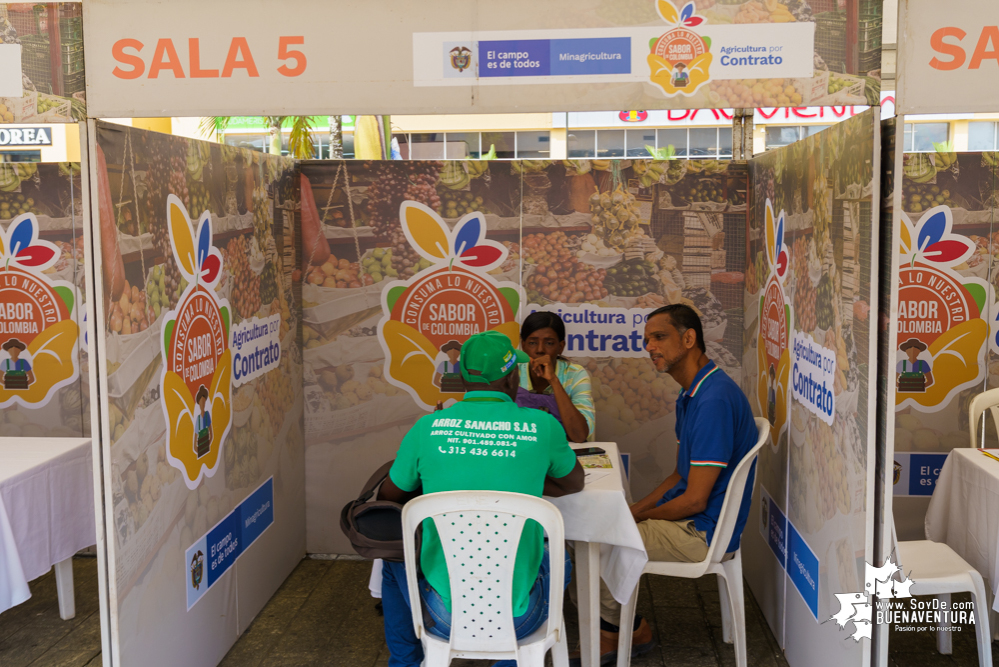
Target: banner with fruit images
{"x":197,"y":241}
{"x":41,"y":224}
{"x":945,"y":235}
{"x":819,"y":474}
{"x":45,"y":92}
{"x":390,"y":252}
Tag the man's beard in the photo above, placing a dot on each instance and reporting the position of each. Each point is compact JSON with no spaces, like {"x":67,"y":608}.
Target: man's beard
{"x":670,"y":363}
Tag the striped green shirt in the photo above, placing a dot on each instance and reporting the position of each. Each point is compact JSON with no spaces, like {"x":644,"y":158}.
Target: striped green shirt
{"x":576,"y":382}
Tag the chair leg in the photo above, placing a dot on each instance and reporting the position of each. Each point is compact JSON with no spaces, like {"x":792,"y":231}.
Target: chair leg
{"x":979,"y":599}
{"x":560,"y":651}
{"x":945,"y":642}
{"x":733,"y":581}
{"x":64,"y":588}
{"x":626,"y":625}
{"x":726,"y":610}
{"x":436,"y":654}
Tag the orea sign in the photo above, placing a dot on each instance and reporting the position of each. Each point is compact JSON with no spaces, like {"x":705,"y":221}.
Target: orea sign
{"x":948,"y":61}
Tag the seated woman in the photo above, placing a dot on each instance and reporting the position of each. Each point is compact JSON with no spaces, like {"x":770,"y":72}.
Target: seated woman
{"x":551,"y":382}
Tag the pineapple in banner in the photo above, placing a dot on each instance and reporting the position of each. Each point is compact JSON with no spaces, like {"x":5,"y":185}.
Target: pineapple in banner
{"x":775,"y":322}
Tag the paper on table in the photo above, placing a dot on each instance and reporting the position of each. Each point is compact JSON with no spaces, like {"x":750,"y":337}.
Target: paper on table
{"x":594,"y":475}
{"x":596,"y":461}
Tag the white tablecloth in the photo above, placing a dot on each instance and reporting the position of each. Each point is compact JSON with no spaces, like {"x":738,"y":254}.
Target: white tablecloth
{"x":964,"y":511}
{"x":599,"y":513}
{"x":46,"y":509}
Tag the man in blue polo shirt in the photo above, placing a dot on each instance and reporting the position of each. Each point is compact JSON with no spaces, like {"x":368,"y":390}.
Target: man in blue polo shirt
{"x":715,"y":430}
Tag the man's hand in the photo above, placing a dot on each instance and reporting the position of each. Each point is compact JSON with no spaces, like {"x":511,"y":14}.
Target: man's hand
{"x":563,"y":486}
{"x":544,"y":367}
{"x":389,"y":491}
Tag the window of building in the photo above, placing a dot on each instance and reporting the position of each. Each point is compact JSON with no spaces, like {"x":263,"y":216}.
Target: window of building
{"x":533,"y":145}
{"x":920,"y":137}
{"x":462,"y":145}
{"x":20,"y":156}
{"x":636,"y":142}
{"x":581,"y":143}
{"x":784,"y":135}
{"x":982,"y":136}
{"x":610,"y":144}
{"x":426,"y":146}
{"x":675,"y":137}
{"x":504,"y":142}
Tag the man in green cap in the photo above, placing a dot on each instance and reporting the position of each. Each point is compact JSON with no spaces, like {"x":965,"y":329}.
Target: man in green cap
{"x":501,"y":447}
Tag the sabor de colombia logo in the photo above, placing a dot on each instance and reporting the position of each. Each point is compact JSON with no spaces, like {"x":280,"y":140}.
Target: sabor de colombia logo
{"x":773,"y":345}
{"x":680,"y":59}
{"x":197,"y":368}
{"x":427,"y":318}
{"x":38,"y":332}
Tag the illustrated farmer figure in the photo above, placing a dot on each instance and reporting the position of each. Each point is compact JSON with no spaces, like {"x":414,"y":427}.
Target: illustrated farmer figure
{"x":914,"y":374}
{"x":17,"y":373}
{"x":772,"y":396}
{"x":680,"y":77}
{"x":448,"y":375}
{"x":202,"y":424}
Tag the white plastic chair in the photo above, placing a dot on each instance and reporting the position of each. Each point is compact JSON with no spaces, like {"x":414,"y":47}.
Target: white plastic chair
{"x":987,"y":400}
{"x":480,"y":532}
{"x":937,"y":570}
{"x":729,"y":572}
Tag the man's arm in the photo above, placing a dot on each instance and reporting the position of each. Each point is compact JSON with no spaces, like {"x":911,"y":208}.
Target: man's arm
{"x":649,"y":501}
{"x":563,"y":486}
{"x":693,"y":500}
{"x":389,"y":491}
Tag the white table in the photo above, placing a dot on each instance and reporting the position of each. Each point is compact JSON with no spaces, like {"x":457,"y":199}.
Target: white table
{"x":46,"y":514}
{"x":607,"y":545}
{"x":964,"y":513}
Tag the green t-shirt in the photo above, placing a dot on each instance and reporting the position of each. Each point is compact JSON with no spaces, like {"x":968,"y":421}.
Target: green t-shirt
{"x":484,"y":443}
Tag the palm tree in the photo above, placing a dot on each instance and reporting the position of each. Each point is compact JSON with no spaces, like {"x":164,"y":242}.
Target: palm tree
{"x":300,"y":142}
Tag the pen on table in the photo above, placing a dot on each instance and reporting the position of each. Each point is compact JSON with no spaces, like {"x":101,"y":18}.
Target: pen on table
{"x":991,"y":456}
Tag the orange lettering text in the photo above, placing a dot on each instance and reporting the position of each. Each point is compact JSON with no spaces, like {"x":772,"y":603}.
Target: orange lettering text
{"x":118,"y":53}
{"x":955,"y":51}
{"x":194,"y":54}
{"x":236,"y":48}
{"x":165,"y":58}
{"x":990,"y":35}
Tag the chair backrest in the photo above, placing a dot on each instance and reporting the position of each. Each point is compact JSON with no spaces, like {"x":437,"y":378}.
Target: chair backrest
{"x":733,"y":497}
{"x":986,"y":400}
{"x":480,"y":532}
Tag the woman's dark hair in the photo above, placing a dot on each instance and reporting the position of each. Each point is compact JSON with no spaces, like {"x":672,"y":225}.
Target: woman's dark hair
{"x":202,"y":393}
{"x":682,"y":317}
{"x":543,"y":319}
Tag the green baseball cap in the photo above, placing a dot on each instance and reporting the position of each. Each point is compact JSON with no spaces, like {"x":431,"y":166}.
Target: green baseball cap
{"x":492,"y":355}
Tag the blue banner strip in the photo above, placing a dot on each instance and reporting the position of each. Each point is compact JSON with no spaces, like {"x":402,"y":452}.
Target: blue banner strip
{"x":803,"y":569}
{"x":214,"y":553}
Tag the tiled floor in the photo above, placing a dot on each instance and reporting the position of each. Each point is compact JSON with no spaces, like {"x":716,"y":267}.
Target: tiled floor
{"x":323,"y":616}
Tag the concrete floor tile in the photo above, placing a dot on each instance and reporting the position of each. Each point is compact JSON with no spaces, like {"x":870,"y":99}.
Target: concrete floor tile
{"x":304,"y":578}
{"x":689,"y":656}
{"x":86,"y":635}
{"x":29,"y":643}
{"x":672,"y":591}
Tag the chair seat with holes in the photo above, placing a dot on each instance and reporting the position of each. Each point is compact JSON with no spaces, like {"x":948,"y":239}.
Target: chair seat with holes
{"x":480,"y":533}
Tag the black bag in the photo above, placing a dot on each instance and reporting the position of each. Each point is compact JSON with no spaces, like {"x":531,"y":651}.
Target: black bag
{"x":374,"y":527}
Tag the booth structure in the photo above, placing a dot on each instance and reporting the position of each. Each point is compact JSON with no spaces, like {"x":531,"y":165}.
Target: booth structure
{"x":264,"y":331}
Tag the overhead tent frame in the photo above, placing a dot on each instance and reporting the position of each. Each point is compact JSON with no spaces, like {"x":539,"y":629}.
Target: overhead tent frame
{"x":490,"y":99}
